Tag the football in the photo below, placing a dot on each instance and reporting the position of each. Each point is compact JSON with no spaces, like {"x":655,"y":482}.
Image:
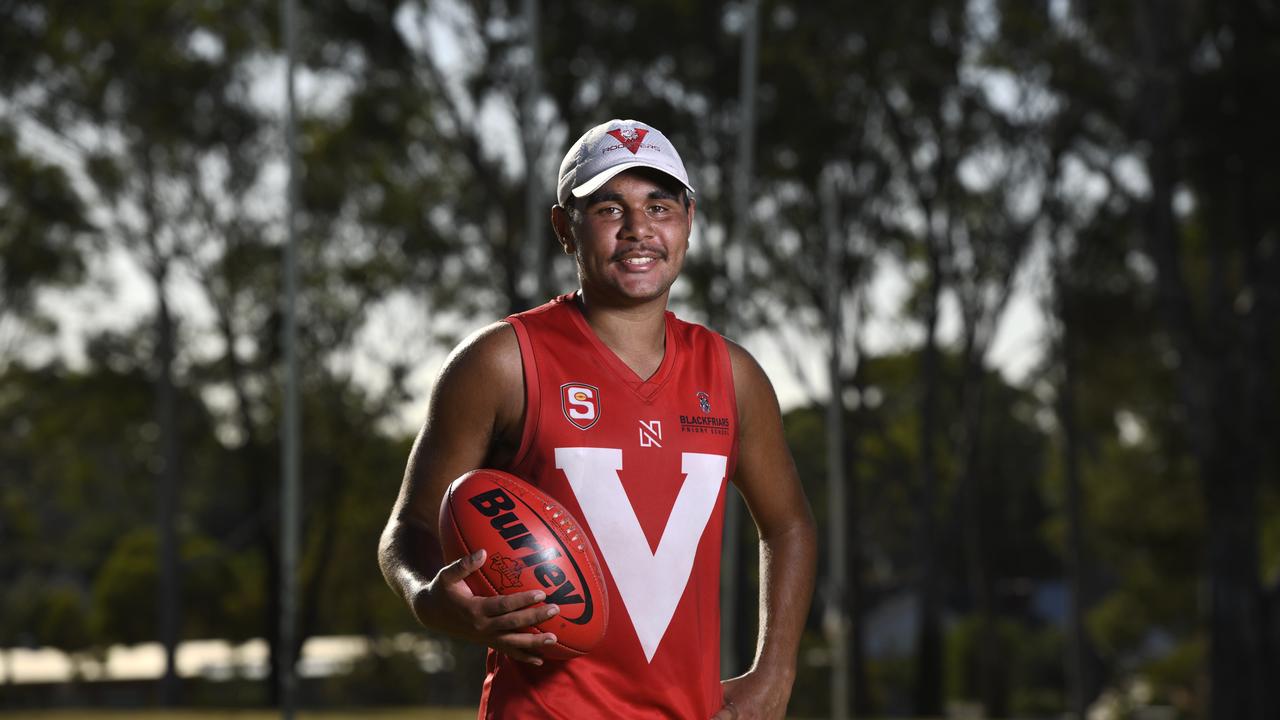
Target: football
{"x":531,"y":543}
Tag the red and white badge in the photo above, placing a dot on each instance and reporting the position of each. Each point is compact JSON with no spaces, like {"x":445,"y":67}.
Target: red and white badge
{"x":580,"y":403}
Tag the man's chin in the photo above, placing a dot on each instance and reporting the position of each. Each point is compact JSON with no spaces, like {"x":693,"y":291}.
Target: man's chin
{"x":646,"y":293}
{"x":634,"y":296}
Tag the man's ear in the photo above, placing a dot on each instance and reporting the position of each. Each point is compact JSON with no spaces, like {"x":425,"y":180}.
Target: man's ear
{"x":563,"y":227}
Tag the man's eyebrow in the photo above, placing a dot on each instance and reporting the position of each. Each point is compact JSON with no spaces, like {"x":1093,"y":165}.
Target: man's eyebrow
{"x":600,"y":196}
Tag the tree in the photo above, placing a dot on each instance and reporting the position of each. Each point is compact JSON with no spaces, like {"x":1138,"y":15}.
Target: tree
{"x":44,"y":229}
{"x":42,"y":236}
{"x":1180,"y":96}
{"x":164,"y":131}
{"x":139,"y":124}
{"x":77,"y":456}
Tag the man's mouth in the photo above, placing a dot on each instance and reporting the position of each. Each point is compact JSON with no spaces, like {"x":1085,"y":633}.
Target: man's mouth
{"x":639,"y":257}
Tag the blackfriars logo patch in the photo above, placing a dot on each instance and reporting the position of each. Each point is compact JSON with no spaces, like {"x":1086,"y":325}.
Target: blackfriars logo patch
{"x":704,"y":423}
{"x":630,"y":137}
{"x":704,"y":403}
{"x":580,"y":403}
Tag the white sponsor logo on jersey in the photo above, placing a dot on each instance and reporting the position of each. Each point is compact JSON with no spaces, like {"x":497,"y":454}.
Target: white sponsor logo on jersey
{"x":650,"y":582}
{"x":650,"y":433}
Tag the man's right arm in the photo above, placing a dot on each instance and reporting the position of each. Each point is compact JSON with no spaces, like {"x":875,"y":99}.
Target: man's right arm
{"x":474,"y":419}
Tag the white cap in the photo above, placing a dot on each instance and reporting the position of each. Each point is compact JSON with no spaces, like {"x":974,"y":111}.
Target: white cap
{"x":609,"y":148}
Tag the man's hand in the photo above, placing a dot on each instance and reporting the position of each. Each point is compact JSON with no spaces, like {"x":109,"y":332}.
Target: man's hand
{"x":448,"y":605}
{"x":755,"y":695}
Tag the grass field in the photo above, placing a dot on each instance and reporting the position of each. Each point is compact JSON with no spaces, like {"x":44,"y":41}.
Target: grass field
{"x":371,"y":714}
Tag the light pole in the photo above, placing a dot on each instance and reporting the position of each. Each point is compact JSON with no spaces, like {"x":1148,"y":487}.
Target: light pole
{"x":290,"y":459}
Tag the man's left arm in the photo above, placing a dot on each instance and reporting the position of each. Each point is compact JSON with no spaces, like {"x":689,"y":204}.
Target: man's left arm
{"x":767,"y":478}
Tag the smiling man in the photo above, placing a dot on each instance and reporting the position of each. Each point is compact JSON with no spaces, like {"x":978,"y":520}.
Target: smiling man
{"x":637,"y":422}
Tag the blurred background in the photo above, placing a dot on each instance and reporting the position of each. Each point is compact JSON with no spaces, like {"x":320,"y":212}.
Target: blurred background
{"x":1013,"y":266}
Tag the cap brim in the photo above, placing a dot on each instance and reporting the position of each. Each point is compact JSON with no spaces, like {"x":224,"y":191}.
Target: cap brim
{"x":601,"y":178}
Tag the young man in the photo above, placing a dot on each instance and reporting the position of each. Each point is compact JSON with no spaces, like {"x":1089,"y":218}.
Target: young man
{"x":635,"y":421}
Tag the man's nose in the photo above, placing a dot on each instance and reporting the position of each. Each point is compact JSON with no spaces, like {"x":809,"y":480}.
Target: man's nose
{"x":636,"y":224}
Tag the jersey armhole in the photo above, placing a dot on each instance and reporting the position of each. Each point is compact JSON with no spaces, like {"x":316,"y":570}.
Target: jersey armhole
{"x":726,"y":365}
{"x":532,"y":395}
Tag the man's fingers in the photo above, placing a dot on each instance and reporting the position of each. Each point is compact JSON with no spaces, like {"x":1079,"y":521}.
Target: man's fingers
{"x":516,"y":619}
{"x":503,"y":604}
{"x":522,"y":656}
{"x":524,"y":646}
{"x":525,"y":618}
{"x":459,"y":569}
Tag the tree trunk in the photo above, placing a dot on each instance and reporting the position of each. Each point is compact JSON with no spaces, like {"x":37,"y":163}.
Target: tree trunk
{"x":1221,"y":407}
{"x":1236,"y":647}
{"x":1080,"y":682}
{"x":267,"y":545}
{"x":928,"y":676}
{"x":1218,"y":410}
{"x":857,"y":590}
{"x":167,"y":492}
{"x":1249,"y":184}
{"x":836,"y":612}
{"x":971,"y":522}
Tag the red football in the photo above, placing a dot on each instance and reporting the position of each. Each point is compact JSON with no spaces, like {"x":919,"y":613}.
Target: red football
{"x":532,"y":543}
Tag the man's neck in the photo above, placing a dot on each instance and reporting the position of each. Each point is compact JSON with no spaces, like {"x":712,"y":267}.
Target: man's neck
{"x":636,"y":334}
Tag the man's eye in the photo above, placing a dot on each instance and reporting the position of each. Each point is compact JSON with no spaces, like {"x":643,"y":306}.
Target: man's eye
{"x":658,"y":209}
{"x":608,"y":210}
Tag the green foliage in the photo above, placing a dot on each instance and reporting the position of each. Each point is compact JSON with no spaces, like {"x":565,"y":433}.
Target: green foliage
{"x":410,"y":670}
{"x":124,"y":597}
{"x":1177,"y":676}
{"x":43,"y":229}
{"x":1032,"y":670}
{"x":75,"y":442}
{"x":382,"y":679}
{"x":811,"y":690}
{"x":23,"y":605}
{"x":78,"y":451}
{"x":64,"y":621}
{"x":883,"y":429}
{"x":892,"y":682}
{"x":123,"y":592}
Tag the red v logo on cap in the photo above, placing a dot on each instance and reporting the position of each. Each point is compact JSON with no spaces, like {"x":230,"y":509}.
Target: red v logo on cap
{"x":630,"y":138}
{"x":651,"y":583}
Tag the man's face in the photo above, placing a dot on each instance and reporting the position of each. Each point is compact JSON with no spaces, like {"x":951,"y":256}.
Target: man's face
{"x":629,"y":238}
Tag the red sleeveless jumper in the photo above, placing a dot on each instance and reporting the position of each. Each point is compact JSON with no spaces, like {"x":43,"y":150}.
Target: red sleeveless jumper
{"x":643,"y":465}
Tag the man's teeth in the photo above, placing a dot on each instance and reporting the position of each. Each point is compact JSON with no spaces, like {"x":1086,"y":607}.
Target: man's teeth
{"x":638,"y":261}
